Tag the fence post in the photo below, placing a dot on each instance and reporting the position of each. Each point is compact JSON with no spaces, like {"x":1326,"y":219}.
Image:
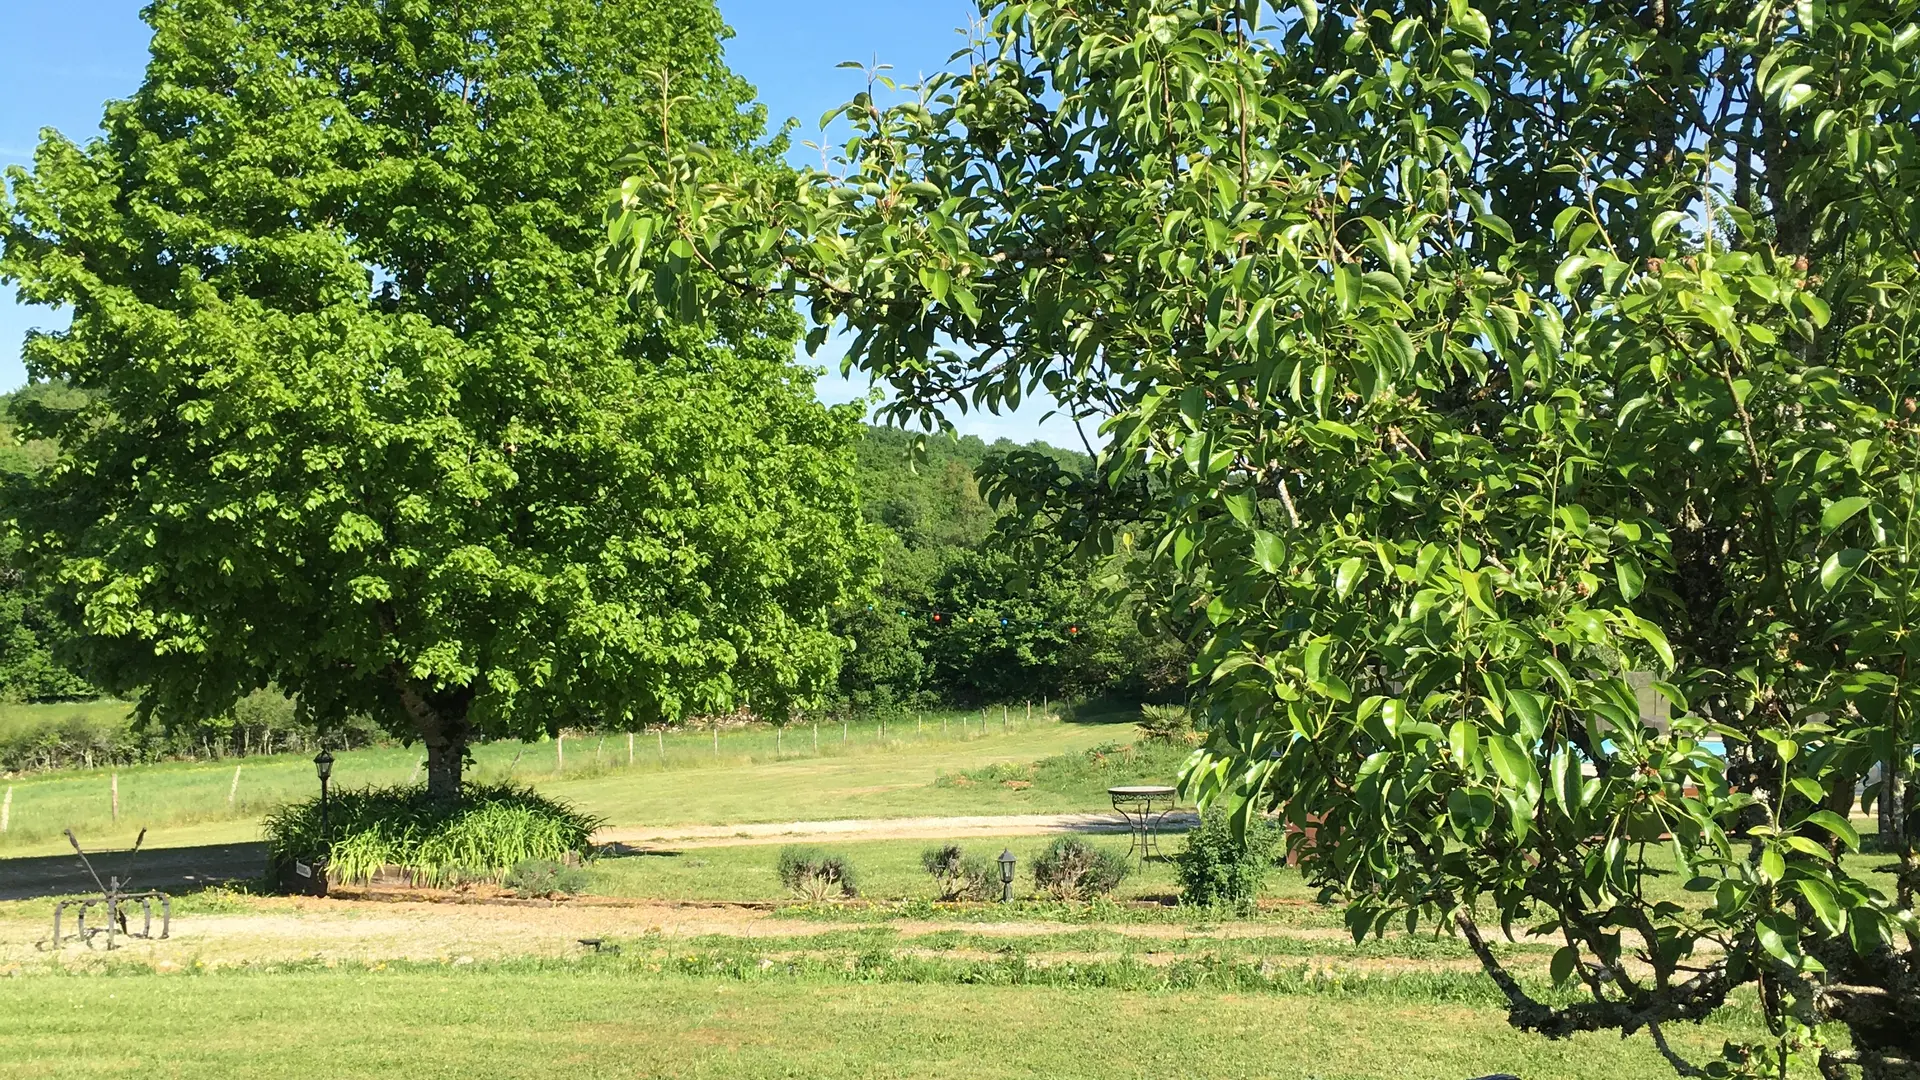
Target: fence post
{"x":1003,"y":718}
{"x":716,"y":738}
{"x":6,"y":809}
{"x":660,"y":735}
{"x":234,"y":788}
{"x":629,"y":747}
{"x":116,"y":796}
{"x":560,"y":752}
{"x":816,"y":736}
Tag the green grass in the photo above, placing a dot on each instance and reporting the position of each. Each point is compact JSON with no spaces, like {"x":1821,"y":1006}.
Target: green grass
{"x":677,"y":779}
{"x":627,"y":1017}
{"x":17,"y":717}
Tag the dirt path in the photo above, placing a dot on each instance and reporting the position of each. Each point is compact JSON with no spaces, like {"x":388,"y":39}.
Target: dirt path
{"x":919,"y":828}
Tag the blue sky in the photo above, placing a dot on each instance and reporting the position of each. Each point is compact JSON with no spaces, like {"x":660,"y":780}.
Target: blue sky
{"x":59,"y":62}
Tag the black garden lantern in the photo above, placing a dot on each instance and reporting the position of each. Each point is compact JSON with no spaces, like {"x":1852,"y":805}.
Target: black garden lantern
{"x":1006,"y":875}
{"x":323,"y":767}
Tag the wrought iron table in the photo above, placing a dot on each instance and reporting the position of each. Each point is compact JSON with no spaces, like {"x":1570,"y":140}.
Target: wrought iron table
{"x":1143,"y":808}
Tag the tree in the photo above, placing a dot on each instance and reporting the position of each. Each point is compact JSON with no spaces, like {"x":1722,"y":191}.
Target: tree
{"x":975,"y":604}
{"x":365,"y":425}
{"x":29,"y":635}
{"x":1460,"y":363}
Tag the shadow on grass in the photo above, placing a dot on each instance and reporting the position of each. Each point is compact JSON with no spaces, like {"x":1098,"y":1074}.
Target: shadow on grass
{"x":178,"y":871}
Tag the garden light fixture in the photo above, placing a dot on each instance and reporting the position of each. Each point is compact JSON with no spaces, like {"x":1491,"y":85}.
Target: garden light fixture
{"x":1006,"y":875}
{"x":323,"y":766}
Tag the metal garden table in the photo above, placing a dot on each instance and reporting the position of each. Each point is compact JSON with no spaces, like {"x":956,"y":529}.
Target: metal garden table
{"x":1143,"y":808}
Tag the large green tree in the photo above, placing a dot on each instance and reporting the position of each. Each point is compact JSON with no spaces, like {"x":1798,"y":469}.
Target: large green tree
{"x":1461,"y":361}
{"x":365,"y":425}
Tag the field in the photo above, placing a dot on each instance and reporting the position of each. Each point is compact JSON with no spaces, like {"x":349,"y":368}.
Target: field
{"x":707,"y":968}
{"x":749,"y":775}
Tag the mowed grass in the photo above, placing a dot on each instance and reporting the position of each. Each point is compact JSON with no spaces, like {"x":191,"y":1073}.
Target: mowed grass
{"x":590,"y":1019}
{"x":755,"y":775}
{"x":17,"y":717}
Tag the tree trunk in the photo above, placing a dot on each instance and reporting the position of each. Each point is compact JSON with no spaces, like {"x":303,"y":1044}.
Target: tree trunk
{"x":441,"y":719}
{"x":446,"y":757}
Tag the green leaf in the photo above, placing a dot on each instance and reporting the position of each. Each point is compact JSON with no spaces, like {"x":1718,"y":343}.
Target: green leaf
{"x":1269,"y":551}
{"x":1346,"y":288}
{"x":1472,"y":23}
{"x":1840,"y":566}
{"x":1779,"y":937}
{"x":1836,"y":825}
{"x":1470,"y":811}
{"x":1817,"y":309}
{"x":1565,"y":960}
{"x":1348,"y":575}
{"x":1567,"y":277}
{"x":1476,"y":589}
{"x":1464,"y":740}
{"x":1564,"y":771}
{"x":1866,"y":929}
{"x":1664,"y":222}
{"x":1772,"y":866}
{"x":1632,"y":581}
{"x":1808,"y":789}
{"x":1513,"y":764}
{"x":1837,"y":514}
{"x":1823,"y":902}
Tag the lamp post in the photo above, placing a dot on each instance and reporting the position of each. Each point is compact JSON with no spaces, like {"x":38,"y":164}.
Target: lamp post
{"x":1006,"y":875}
{"x":323,"y":765}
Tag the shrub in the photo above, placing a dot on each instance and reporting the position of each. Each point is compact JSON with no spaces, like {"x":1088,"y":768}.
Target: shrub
{"x":959,"y":875}
{"x":1218,"y":869}
{"x":491,"y":830}
{"x":1171,"y":724}
{"x":1073,"y":869}
{"x":546,"y":877}
{"x":815,"y":874}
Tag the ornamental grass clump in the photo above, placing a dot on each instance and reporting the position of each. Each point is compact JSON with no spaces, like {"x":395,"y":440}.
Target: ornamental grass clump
{"x":1073,"y":869}
{"x":816,"y":875}
{"x":1170,"y":724}
{"x":432,"y":841}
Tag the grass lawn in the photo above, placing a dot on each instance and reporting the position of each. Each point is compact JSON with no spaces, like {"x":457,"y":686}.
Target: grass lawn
{"x":20,"y":716}
{"x":677,"y":779}
{"x":617,"y":1018}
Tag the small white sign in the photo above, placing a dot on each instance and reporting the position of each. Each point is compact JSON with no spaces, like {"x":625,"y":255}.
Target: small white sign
{"x":302,"y":869}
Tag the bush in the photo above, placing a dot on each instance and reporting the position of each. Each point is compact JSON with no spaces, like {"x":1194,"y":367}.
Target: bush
{"x":1218,"y":869}
{"x":546,"y":877}
{"x":482,"y":837}
{"x":1073,"y":869}
{"x":1171,"y":724}
{"x":815,"y":874}
{"x":959,"y":875}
